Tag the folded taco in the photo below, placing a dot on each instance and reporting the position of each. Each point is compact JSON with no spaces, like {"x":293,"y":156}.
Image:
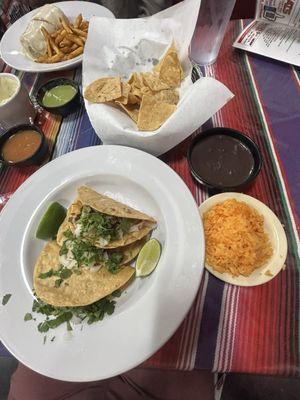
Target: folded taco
{"x":103,"y":222}
{"x":87,"y":280}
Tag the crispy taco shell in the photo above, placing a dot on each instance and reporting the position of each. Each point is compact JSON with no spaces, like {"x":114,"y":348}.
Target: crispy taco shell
{"x":106,"y":205}
{"x":78,"y":290}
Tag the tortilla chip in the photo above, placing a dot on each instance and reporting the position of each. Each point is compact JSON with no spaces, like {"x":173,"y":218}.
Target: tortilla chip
{"x":80,"y":290}
{"x":131,"y":109}
{"x":103,"y":90}
{"x":132,"y":99}
{"x":170,"y":96}
{"x":147,"y":91}
{"x":153,"y":81}
{"x":153,"y":113}
{"x":105,"y":205}
{"x":169,"y":68}
{"x":125,"y":88}
{"x":136,"y":83}
{"x":135,"y":80}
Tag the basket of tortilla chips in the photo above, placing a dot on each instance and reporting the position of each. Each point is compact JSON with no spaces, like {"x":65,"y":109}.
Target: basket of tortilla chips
{"x":137,"y":80}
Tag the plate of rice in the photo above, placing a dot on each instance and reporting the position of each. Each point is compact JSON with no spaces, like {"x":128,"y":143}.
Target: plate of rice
{"x":245,"y":242}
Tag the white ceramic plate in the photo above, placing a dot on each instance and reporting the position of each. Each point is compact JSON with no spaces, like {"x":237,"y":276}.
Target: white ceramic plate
{"x":273,"y":228}
{"x":10,"y":46}
{"x":150,"y":310}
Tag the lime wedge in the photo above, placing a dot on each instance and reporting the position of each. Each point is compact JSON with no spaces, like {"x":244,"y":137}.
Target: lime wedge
{"x":51,"y":221}
{"x":148,"y":258}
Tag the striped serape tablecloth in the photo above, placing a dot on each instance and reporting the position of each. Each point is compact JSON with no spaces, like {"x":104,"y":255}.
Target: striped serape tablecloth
{"x":228,"y":329}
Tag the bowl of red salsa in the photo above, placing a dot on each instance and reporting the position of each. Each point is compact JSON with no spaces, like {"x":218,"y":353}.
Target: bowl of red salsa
{"x":23,"y":145}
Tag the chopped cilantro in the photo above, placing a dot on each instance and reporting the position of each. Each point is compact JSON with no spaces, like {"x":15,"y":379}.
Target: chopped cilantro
{"x":52,"y":339}
{"x":45,"y":338}
{"x":64,"y":249}
{"x":58,"y":282}
{"x":113,"y":262}
{"x":56,"y":316}
{"x":63,"y":316}
{"x":43,"y":327}
{"x":6,"y":299}
{"x":62,"y":273}
{"x":60,"y":319}
{"x":27,"y":317}
{"x":116,"y":293}
{"x":48,"y":274}
{"x":68,"y":234}
{"x":69,"y":326}
{"x":85,"y":253}
{"x":126,"y":224}
{"x":65,"y":273}
{"x":96,"y":225}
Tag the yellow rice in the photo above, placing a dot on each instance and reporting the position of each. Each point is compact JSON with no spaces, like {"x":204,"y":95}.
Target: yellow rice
{"x":235,"y":238}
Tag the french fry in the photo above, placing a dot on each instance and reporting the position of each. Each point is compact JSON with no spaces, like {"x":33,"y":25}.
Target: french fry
{"x":54,"y":46}
{"x":75,"y":53}
{"x":74,"y":47}
{"x":67,"y":50}
{"x":66,"y":26}
{"x":59,"y":38}
{"x":56,"y":58}
{"x":79,"y":32}
{"x":84,"y":25}
{"x":47,"y":39}
{"x":49,"y":49}
{"x":65,"y":42}
{"x":78,"y":21}
{"x":42,"y":59}
{"x":75,"y":39}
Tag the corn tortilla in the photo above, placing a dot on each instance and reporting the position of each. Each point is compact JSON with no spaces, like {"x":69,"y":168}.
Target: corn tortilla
{"x":169,"y":68}
{"x":153,"y":113}
{"x":105,"y":205}
{"x":80,"y":290}
{"x":103,"y":90}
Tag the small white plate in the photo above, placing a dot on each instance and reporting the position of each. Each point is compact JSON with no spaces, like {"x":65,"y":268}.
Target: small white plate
{"x":149,"y":310}
{"x":10,"y":46}
{"x":273,"y":228}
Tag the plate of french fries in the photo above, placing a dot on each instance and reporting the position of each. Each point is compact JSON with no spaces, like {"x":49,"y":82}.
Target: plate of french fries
{"x":50,"y":38}
{"x":66,"y":43}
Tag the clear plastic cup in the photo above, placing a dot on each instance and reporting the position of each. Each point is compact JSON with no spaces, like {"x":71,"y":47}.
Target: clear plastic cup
{"x":213,"y":19}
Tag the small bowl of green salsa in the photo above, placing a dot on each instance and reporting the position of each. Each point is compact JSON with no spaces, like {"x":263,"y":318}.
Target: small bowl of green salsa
{"x":59,"y":96}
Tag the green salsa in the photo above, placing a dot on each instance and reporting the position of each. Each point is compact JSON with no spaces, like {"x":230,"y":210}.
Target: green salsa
{"x":58,"y":95}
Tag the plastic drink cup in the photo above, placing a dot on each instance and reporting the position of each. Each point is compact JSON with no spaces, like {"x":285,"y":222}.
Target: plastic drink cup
{"x":213,"y":19}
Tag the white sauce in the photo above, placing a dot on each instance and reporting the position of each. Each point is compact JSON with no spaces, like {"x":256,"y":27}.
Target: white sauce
{"x":8,"y":87}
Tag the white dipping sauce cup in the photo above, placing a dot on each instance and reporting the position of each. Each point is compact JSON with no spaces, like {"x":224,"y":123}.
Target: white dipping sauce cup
{"x":18,"y":108}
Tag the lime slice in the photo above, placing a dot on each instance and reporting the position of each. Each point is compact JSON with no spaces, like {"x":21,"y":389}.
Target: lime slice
{"x":51,"y":221}
{"x":148,"y":258}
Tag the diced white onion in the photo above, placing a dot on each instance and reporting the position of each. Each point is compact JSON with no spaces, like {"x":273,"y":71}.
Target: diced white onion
{"x":136,"y":227}
{"x":102,"y":241}
{"x":67,"y":261}
{"x":95,"y":268}
{"x":78,"y":230}
{"x":76,"y":320}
